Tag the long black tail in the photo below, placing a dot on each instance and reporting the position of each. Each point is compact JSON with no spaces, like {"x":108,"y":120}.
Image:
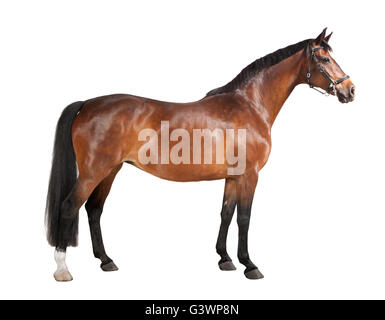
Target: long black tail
{"x":63,"y":175}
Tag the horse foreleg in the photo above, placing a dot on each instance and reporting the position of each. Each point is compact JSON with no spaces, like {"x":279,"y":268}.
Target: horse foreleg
{"x":228,"y":208}
{"x":245,"y":193}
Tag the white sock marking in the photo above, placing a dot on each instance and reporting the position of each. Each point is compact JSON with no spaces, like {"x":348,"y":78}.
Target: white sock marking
{"x":60,"y":258}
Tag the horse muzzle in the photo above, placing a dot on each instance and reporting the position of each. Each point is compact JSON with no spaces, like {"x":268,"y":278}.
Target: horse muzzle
{"x":346,"y":94}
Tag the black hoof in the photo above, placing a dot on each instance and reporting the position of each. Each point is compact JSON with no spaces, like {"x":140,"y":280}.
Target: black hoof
{"x":227,"y":266}
{"x":110,"y":266}
{"x":254,"y":274}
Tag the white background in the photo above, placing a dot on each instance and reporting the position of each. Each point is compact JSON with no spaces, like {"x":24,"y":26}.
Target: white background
{"x":318,"y":219}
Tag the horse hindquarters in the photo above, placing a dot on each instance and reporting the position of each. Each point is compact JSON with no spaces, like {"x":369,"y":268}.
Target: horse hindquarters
{"x":66,"y":193}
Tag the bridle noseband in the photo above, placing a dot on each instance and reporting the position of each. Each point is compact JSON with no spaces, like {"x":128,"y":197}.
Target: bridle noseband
{"x":333,"y":83}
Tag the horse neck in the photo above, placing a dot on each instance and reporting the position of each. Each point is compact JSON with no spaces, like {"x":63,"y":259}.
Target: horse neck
{"x":269,"y":88}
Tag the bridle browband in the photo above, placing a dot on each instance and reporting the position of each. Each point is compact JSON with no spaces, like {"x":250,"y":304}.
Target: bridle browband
{"x":333,"y":83}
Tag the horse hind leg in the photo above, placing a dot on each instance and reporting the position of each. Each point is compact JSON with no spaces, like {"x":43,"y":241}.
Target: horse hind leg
{"x":94,"y":207}
{"x":68,"y":220}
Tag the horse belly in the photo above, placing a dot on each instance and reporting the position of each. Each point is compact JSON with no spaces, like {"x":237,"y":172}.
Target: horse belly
{"x":185,"y":172}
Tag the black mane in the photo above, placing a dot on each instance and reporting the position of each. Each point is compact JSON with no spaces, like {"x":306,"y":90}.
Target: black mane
{"x":262,"y":63}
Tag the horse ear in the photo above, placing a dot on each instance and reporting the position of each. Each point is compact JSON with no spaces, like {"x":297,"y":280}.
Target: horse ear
{"x":328,"y":37}
{"x":319,"y":39}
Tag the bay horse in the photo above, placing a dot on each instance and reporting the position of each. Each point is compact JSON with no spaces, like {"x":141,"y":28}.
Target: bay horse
{"x":95,"y":137}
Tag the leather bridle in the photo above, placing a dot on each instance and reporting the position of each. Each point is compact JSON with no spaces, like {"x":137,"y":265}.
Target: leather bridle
{"x":333,"y":83}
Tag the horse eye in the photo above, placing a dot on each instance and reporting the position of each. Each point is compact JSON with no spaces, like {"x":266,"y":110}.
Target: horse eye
{"x":326,"y":60}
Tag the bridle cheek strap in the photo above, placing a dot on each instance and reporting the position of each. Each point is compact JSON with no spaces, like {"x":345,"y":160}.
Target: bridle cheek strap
{"x":332,"y":86}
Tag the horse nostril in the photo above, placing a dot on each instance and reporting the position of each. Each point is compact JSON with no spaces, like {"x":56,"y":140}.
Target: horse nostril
{"x":352,"y":91}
